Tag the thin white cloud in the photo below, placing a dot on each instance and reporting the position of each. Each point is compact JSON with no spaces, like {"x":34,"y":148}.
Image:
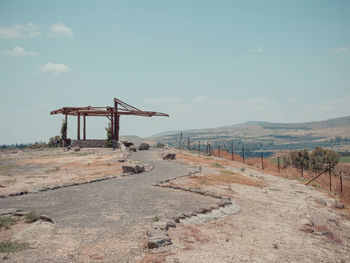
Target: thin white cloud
{"x":19,"y":30}
{"x":164,"y":100}
{"x":200,"y":99}
{"x":257,"y":49}
{"x":54,"y":68}
{"x":19,"y":51}
{"x":340,"y":49}
{"x":60,"y":29}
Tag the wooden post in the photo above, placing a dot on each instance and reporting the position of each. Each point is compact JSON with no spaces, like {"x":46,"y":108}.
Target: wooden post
{"x":84,"y":128}
{"x":66,"y":120}
{"x":219,"y":151}
{"x":262,"y":161}
{"x":341,"y":183}
{"x":232,"y":151}
{"x":112,"y":125}
{"x":199,"y":146}
{"x":330,"y":179}
{"x":180,"y":140}
{"x":117,"y":127}
{"x":116,"y":122}
{"x":243,"y":154}
{"x":78,"y":130}
{"x":278,"y":164}
{"x":188,"y":143}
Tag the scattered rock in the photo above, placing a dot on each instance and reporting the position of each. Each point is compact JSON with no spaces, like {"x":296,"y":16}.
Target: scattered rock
{"x":77,"y":149}
{"x":170,"y":223}
{"x":128,"y":144}
{"x":158,"y":238}
{"x":133,"y":168}
{"x":159,"y":225}
{"x":224,"y":202}
{"x":168,"y":155}
{"x":9,"y":211}
{"x":305,"y":222}
{"x":144,"y":146}
{"x":321,"y":201}
{"x":337,"y":204}
{"x":121,"y":160}
{"x":132,"y":148}
{"x":45,"y":218}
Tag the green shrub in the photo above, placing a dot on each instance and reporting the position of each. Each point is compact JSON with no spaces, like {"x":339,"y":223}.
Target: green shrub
{"x":8,"y":246}
{"x":7,"y":221}
{"x":31,"y":217}
{"x":109,"y":140}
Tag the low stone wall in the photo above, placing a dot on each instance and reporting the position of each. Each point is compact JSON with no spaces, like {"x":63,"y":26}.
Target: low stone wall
{"x":93,"y":144}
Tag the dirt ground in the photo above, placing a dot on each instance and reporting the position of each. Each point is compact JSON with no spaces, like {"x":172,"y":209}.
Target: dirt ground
{"x":271,"y":226}
{"x":280,"y":219}
{"x":24,"y":170}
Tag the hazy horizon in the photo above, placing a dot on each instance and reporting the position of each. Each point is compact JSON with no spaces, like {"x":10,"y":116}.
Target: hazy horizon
{"x":205,"y":63}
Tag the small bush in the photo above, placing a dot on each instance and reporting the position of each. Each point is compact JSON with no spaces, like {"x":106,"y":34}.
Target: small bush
{"x":155,"y":219}
{"x":109,"y":140}
{"x":31,"y":217}
{"x":7,"y":221}
{"x":216,"y":165}
{"x":8,"y":246}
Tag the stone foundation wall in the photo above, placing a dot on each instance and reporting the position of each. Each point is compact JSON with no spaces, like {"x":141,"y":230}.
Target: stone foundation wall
{"x":93,"y":144}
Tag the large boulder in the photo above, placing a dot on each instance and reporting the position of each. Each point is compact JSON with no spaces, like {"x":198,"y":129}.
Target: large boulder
{"x":133,"y":168}
{"x":132,"y":148}
{"x":158,"y":238}
{"x":144,"y":146}
{"x":168,"y":155}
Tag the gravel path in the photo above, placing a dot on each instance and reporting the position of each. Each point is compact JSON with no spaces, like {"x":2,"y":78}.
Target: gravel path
{"x":104,"y":220}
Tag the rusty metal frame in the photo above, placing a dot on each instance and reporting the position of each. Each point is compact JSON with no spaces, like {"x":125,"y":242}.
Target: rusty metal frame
{"x":112,"y":113}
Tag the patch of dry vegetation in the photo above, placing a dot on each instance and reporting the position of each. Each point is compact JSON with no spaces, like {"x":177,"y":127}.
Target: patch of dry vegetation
{"x":226,"y":177}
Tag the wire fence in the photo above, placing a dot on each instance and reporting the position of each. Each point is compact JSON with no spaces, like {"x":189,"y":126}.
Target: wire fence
{"x":336,"y":180}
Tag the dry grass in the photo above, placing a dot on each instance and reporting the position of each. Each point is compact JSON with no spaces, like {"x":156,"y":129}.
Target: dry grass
{"x":322,"y":183}
{"x":154,"y":258}
{"x":226,"y":177}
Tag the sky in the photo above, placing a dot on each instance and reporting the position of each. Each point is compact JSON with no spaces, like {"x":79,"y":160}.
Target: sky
{"x":205,"y":63}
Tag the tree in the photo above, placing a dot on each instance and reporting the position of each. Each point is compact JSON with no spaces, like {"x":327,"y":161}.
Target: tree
{"x":64,"y":130}
{"x":331,"y":158}
{"x":109,"y":140}
{"x":322,"y":159}
{"x":300,"y":159}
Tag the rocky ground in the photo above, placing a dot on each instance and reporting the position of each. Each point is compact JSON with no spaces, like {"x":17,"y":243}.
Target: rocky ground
{"x":192,"y":209}
{"x":279,"y":221}
{"x":105,"y":221}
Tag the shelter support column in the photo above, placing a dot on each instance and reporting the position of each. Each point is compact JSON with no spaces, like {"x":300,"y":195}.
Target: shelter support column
{"x":116,"y":122}
{"x":84,"y":128}
{"x":112,"y":126}
{"x":117,"y":128}
{"x":78,"y":129}
{"x":66,"y":120}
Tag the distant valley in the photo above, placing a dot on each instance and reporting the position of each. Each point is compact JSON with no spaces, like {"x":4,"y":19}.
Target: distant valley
{"x":258,"y":137}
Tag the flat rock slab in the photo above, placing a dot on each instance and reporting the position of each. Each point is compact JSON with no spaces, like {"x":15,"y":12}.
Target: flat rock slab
{"x":158,"y":238}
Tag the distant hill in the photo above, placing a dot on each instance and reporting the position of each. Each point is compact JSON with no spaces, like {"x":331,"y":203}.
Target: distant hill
{"x":269,"y":136}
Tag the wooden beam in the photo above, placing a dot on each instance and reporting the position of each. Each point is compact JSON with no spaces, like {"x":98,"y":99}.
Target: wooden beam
{"x":112,"y":125}
{"x":116,"y":121}
{"x":84,"y":128}
{"x":117,"y":128}
{"x":78,"y":130}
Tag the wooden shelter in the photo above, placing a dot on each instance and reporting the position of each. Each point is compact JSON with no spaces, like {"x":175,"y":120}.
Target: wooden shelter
{"x":112,"y":113}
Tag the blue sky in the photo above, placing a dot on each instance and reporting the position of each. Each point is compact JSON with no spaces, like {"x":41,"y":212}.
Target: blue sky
{"x":206,"y":63}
